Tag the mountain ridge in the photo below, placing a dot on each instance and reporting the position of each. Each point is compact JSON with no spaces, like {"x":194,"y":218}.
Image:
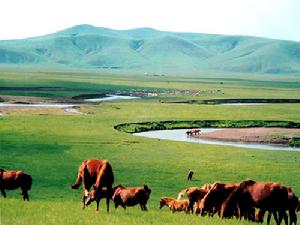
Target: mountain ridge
{"x":147,"y":49}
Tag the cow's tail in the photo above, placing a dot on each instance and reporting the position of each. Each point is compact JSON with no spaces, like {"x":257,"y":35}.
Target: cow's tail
{"x":78,"y":180}
{"x":1,"y":174}
{"x":147,"y":189}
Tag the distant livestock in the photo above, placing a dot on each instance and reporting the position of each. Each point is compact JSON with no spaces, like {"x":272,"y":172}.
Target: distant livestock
{"x":193,"y":132}
{"x":131,"y":196}
{"x":190,"y":175}
{"x":97,"y":174}
{"x":10,"y":180}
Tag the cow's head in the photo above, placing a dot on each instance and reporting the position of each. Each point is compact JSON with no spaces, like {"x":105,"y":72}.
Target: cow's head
{"x":162,"y":203}
{"x":91,"y":197}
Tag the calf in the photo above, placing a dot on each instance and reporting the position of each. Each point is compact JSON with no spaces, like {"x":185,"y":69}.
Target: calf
{"x":131,"y":196}
{"x":174,"y":204}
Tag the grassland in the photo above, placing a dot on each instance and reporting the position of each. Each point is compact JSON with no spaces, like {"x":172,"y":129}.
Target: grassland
{"x":50,"y":147}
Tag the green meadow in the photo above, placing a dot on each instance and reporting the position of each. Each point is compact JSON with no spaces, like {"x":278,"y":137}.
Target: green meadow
{"x":51,"y":147}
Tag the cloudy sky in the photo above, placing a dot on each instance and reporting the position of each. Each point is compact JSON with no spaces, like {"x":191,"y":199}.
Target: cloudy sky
{"x":278,"y":19}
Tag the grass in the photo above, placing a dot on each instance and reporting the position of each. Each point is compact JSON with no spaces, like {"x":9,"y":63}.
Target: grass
{"x":51,"y":147}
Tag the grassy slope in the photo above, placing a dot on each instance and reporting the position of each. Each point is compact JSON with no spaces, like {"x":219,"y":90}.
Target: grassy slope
{"x":151,"y":51}
{"x":51,"y":148}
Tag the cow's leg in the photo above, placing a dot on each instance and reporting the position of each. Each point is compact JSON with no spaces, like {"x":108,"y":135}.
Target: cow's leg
{"x":86,"y":187}
{"x":25,"y":194}
{"x":84,"y":196}
{"x":191,"y":204}
{"x":293,"y":217}
{"x":3,"y":193}
{"x":107,"y":204}
{"x":145,"y":208}
{"x":285,"y":217}
{"x":97,"y":201}
{"x":275,"y":217}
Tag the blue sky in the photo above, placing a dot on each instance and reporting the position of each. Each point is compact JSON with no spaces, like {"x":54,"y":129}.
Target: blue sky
{"x":278,"y":19}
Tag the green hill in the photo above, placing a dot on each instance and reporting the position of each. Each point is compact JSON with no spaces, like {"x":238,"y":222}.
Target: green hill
{"x":150,"y":50}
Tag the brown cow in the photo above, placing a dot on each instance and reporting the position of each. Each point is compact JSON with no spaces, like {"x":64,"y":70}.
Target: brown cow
{"x":98,"y":173}
{"x":10,"y":180}
{"x":174,"y":204}
{"x":213,"y":200}
{"x":131,"y":196}
{"x":272,"y":197}
{"x":194,"y":194}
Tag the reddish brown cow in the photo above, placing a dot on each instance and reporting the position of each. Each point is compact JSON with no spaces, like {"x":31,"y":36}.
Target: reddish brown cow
{"x":194,"y":194}
{"x":213,"y":200}
{"x":10,"y":180}
{"x":96,"y":173}
{"x":272,"y":197}
{"x":131,"y":196}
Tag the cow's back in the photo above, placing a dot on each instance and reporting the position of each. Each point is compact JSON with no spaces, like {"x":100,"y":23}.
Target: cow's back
{"x":13,"y":179}
{"x":89,"y":169}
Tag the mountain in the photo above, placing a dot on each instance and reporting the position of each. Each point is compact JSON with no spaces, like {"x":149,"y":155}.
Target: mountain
{"x":147,"y":49}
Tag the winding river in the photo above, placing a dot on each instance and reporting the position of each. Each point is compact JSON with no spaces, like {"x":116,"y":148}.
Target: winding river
{"x":180,"y":135}
{"x":111,"y":98}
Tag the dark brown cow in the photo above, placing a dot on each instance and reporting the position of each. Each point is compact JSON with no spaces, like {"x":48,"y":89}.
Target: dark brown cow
{"x":174,"y":204}
{"x":190,"y":175}
{"x":213,"y":200}
{"x":272,"y":197}
{"x":10,"y":180}
{"x":96,"y":173}
{"x":131,"y":196}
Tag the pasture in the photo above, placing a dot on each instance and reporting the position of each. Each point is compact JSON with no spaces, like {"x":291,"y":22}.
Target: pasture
{"x":51,"y":145}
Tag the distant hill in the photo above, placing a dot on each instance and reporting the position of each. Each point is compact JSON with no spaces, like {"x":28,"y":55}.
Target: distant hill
{"x":150,"y":50}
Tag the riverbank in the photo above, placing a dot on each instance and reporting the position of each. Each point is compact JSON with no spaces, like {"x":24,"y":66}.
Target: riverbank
{"x":292,"y":141}
{"x":276,"y":136}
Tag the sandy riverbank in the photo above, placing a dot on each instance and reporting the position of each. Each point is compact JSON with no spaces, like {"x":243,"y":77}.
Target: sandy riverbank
{"x":281,"y":136}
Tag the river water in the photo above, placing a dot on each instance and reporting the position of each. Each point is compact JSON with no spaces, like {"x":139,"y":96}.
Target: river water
{"x":180,"y":135}
{"x":111,"y":98}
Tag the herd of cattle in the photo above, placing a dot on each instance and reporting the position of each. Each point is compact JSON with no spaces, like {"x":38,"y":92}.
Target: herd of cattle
{"x":249,"y":199}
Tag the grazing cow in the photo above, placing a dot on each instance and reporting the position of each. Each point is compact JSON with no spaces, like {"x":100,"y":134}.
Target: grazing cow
{"x":96,"y":173}
{"x":272,"y":197}
{"x":194,"y":194}
{"x":131,"y":196}
{"x":174,"y":204}
{"x":213,"y":200}
{"x":10,"y":180}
